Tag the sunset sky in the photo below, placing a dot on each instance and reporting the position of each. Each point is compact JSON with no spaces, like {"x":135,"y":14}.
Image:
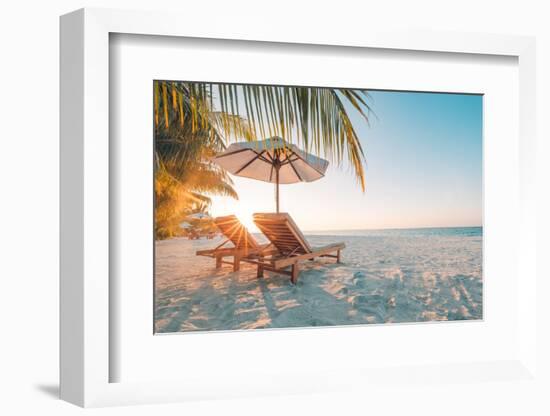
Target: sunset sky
{"x":424,"y":169}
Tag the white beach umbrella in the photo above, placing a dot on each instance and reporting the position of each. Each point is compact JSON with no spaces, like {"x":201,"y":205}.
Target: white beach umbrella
{"x":272,"y":160}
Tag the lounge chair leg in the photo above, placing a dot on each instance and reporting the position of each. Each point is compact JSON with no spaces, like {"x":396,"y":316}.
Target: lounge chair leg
{"x":218,"y":262}
{"x":236,"y":263}
{"x":295,"y":273}
{"x":260,"y":272}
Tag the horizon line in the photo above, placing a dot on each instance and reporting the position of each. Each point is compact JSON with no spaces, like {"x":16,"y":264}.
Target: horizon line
{"x":393,"y":228}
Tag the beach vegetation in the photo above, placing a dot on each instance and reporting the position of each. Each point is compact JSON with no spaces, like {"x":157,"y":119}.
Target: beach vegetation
{"x":194,"y":121}
{"x":314,"y":118}
{"x":185,"y":178}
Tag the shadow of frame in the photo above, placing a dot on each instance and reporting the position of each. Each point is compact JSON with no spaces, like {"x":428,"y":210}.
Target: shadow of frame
{"x":51,"y":390}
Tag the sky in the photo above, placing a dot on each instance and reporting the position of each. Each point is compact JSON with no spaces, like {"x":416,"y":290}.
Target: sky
{"x":424,"y":169}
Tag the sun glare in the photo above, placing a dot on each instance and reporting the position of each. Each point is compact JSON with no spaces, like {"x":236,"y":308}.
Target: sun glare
{"x":244,"y":213}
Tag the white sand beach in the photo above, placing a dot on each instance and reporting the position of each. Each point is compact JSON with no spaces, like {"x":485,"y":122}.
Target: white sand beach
{"x":386,"y":276}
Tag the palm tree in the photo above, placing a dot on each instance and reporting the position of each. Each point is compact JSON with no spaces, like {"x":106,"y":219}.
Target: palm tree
{"x":315,"y":118}
{"x":184,"y":176}
{"x":176,"y":198}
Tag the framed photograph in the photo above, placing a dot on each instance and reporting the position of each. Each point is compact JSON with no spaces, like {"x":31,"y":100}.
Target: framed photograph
{"x":312,"y":204}
{"x":402,"y":238}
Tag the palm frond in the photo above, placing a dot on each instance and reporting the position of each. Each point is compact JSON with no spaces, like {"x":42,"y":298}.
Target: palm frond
{"x":315,"y":118}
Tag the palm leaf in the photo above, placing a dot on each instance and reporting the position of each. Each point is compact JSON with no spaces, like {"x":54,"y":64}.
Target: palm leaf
{"x":316,"y":118}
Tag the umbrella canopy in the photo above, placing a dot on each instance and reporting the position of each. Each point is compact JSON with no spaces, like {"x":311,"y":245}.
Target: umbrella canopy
{"x":272,"y":160}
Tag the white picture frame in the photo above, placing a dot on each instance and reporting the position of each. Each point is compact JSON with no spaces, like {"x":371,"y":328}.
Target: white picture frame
{"x":85,"y":165}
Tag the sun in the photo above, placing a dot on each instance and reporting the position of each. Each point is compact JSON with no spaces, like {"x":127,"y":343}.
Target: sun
{"x":242,"y":209}
{"x":244,"y":213}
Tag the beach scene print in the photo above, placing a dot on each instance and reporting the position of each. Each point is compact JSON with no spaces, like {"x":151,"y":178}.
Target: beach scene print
{"x":296,"y":207}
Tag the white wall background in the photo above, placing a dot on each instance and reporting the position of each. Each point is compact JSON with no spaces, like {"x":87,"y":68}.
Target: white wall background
{"x":29,"y":203}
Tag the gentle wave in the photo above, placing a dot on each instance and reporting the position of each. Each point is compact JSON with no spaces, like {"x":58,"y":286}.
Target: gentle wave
{"x":405,"y":232}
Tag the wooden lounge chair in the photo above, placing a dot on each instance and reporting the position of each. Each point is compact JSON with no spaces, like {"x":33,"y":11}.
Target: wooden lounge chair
{"x":244,"y":244}
{"x":292,"y":246}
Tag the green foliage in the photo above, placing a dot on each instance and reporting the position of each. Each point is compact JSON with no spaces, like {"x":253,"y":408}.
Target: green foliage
{"x":317,"y":116}
{"x":184,"y":176}
{"x":189,"y":131}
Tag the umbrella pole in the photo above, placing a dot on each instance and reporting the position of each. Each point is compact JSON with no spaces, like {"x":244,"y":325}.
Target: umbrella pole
{"x":277,"y":188}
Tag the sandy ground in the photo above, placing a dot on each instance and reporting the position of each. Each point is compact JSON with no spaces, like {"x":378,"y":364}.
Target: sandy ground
{"x":383,"y":278}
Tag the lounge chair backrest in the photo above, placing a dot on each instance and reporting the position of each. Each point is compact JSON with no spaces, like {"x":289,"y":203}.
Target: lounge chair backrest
{"x":283,"y":233}
{"x":235,"y":232}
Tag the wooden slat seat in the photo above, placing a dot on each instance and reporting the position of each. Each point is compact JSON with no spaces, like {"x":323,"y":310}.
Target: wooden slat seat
{"x":291,"y":244}
{"x":236,"y":232}
{"x":244,"y":243}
